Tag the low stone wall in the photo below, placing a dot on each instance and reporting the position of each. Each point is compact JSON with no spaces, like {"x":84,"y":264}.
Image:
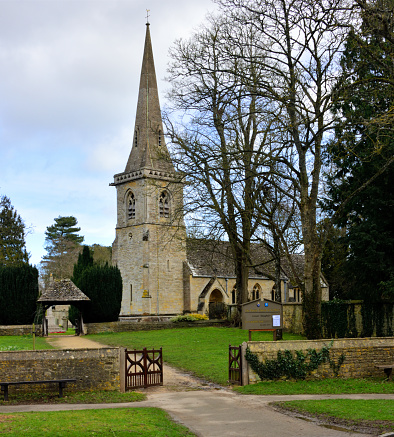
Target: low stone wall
{"x":361,"y":355}
{"x":15,"y":329}
{"x":94,"y":369}
{"x":128,"y":326}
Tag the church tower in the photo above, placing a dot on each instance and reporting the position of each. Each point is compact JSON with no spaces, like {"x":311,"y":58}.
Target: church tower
{"x":150,"y":242}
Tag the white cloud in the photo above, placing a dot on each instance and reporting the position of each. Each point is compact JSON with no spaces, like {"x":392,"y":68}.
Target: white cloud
{"x":70,"y":75}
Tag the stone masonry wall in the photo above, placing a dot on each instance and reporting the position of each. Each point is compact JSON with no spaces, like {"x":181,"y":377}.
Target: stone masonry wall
{"x":123,"y":326}
{"x":16,"y":329}
{"x":361,"y":355}
{"x":94,"y":369}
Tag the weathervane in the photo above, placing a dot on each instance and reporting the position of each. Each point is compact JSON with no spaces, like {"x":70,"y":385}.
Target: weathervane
{"x":147,"y":16}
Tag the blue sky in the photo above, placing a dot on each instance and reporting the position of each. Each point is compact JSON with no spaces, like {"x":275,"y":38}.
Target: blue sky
{"x":69,"y":74}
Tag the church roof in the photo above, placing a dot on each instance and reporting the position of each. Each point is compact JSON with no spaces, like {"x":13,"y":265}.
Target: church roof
{"x":62,"y":291}
{"x":149,"y":149}
{"x":214,"y":258}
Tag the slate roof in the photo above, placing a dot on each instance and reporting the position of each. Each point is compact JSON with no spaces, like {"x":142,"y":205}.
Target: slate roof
{"x":214,"y":258}
{"x":63,"y":291}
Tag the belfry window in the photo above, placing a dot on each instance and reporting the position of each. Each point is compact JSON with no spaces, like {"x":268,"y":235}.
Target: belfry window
{"x":131,"y":206}
{"x":164,"y":205}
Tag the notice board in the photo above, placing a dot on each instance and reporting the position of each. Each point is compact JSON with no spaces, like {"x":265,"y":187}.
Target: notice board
{"x":262,"y":314}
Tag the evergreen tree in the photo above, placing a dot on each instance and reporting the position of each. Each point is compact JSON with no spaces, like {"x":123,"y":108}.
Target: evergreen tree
{"x":364,"y":144}
{"x":18,"y":294}
{"x":12,"y":235}
{"x":63,"y":245}
{"x":85,"y":260}
{"x":64,"y":228}
{"x":102,"y":284}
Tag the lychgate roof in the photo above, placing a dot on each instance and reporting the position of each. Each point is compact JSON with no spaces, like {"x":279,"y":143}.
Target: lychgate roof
{"x":62,"y":291}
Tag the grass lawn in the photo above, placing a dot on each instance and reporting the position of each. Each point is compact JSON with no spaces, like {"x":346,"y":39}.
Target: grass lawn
{"x":141,"y":422}
{"x":201,"y":350}
{"x":21,"y":342}
{"x":323,"y":386}
{"x":377,"y":413}
{"x":81,"y":397}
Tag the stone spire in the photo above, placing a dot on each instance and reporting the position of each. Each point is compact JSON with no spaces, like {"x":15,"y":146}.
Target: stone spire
{"x":149,"y":149}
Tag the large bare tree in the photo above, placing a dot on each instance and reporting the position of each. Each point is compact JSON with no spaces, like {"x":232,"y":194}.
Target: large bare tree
{"x":223,"y":139}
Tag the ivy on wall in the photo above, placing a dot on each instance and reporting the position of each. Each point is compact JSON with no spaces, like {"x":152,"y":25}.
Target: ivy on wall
{"x":297,"y":365}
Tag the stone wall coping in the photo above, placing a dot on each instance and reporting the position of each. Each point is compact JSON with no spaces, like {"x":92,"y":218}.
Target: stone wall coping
{"x":310,"y":344}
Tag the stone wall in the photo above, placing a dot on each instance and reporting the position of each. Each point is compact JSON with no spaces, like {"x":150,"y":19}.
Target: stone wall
{"x":361,"y":355}
{"x":128,"y":326}
{"x":17,"y":329}
{"x":94,"y":369}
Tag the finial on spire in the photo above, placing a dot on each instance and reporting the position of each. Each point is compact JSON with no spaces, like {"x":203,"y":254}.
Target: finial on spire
{"x":147,"y":17}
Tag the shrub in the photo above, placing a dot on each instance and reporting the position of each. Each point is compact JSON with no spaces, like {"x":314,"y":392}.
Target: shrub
{"x":189,"y":318}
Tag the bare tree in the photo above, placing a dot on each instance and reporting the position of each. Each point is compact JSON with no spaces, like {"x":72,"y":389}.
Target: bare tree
{"x":222,"y":141}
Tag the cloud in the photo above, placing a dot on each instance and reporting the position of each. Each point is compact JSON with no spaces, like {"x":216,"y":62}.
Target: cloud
{"x":70,"y":75}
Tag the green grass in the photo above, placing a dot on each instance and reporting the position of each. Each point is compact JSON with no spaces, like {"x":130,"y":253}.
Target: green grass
{"x":141,"y":422}
{"x":22,"y":342}
{"x":201,"y":350}
{"x":378,"y":413}
{"x":323,"y":386}
{"x":17,"y":397}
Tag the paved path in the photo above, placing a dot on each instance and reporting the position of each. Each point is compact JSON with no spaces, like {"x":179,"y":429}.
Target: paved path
{"x":210,"y":412}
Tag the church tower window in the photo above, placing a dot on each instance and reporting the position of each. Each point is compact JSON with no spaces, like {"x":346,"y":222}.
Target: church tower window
{"x":159,"y":138}
{"x":135,"y":138}
{"x":164,"y":205}
{"x":131,"y":206}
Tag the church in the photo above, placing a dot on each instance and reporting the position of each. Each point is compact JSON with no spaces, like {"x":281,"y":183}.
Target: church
{"x":162,"y":272}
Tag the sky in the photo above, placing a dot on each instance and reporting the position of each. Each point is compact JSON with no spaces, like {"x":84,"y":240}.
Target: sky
{"x":69,"y":76}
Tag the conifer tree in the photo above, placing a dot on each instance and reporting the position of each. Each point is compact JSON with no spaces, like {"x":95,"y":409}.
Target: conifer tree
{"x":365,"y":102}
{"x":18,"y":294}
{"x":63,"y":245}
{"x":102,"y":284}
{"x":12,"y":235}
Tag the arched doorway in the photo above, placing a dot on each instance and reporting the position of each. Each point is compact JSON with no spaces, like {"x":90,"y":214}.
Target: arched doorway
{"x":217,"y":308}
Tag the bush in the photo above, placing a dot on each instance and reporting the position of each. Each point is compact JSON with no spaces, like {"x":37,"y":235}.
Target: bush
{"x":189,"y":318}
{"x":217,"y":310}
{"x":18,"y":294}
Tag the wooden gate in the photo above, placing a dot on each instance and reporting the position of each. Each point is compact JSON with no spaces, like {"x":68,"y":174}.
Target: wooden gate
{"x":235,"y":365}
{"x":144,"y":368}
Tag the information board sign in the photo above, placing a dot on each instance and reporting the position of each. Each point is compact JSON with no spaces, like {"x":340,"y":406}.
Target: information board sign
{"x":262,"y":314}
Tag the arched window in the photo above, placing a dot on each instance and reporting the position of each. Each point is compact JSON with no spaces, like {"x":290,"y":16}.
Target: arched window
{"x":234,"y":295}
{"x":256,"y":292}
{"x":131,"y":206}
{"x":164,"y":205}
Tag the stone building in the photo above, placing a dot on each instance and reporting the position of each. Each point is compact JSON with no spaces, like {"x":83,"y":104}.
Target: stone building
{"x":161,"y":273}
